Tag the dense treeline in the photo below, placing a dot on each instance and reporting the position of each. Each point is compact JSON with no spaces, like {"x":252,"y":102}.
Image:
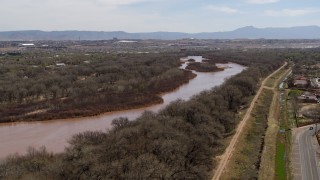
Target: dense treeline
{"x":36,"y":86}
{"x":306,"y":62}
{"x":203,"y":67}
{"x":177,"y":143}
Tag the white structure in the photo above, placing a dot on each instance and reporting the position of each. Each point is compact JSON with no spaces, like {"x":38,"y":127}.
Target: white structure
{"x":315,"y":82}
{"x":27,"y":44}
{"x":60,"y":64}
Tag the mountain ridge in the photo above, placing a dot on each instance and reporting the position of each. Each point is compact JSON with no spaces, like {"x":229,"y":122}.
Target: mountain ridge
{"x":247,"y":32}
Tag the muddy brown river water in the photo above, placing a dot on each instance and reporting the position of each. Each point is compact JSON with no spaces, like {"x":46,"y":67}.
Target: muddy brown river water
{"x":54,"y":134}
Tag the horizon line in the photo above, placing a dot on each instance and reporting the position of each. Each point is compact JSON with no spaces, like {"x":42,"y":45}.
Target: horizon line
{"x":160,"y":31}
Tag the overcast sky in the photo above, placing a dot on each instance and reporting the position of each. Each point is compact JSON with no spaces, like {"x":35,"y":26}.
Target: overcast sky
{"x":155,"y":15}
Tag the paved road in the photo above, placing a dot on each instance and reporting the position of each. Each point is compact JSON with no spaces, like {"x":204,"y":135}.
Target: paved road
{"x":305,"y":159}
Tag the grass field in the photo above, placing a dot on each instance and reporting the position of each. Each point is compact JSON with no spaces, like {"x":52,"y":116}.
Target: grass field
{"x":282,"y":164}
{"x":267,"y":166}
{"x":280,"y":161}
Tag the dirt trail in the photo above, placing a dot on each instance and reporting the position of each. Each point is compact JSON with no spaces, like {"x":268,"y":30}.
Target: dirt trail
{"x":228,"y":152}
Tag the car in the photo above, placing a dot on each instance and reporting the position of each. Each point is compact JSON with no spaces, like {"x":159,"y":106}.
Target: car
{"x":310,"y":128}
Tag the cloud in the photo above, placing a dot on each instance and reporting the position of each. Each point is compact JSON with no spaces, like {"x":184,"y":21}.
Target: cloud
{"x":121,"y":2}
{"x":78,"y":3}
{"x":291,"y":12}
{"x":261,"y":1}
{"x":223,"y":9}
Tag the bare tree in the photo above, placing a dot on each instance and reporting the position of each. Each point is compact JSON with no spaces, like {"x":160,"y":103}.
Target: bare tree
{"x":295,"y":106}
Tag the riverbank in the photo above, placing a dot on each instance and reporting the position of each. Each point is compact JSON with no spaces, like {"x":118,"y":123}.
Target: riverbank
{"x":81,"y":85}
{"x":110,"y":103}
{"x":55,"y":134}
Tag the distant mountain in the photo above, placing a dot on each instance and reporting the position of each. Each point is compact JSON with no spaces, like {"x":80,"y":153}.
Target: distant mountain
{"x":249,"y":32}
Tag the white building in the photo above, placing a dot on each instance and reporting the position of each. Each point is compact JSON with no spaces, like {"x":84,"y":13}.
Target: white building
{"x":27,"y":45}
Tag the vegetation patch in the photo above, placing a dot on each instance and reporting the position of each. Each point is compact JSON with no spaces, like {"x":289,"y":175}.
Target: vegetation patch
{"x":203,"y":67}
{"x":281,"y":159}
{"x":85,"y":85}
{"x":216,"y":60}
{"x":282,"y":163}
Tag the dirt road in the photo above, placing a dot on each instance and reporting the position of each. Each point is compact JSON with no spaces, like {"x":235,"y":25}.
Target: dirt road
{"x":228,"y":152}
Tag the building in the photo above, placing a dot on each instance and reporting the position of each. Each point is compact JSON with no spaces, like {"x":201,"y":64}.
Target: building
{"x":27,"y":45}
{"x":300,"y":83}
{"x":315,"y":83}
{"x":14,"y":53}
{"x":60,"y":64}
{"x":300,"y":77}
{"x":316,"y":66}
{"x":307,"y":97}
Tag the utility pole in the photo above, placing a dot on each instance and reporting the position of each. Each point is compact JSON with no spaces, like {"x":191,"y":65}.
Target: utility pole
{"x":315,"y":115}
{"x":317,"y":120}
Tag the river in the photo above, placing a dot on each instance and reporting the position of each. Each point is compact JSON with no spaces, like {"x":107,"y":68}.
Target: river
{"x":54,"y":134}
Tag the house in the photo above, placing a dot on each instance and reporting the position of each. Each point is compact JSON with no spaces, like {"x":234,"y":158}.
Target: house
{"x":316,"y":66}
{"x":307,"y":97}
{"x":300,"y":83}
{"x":300,"y":77}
